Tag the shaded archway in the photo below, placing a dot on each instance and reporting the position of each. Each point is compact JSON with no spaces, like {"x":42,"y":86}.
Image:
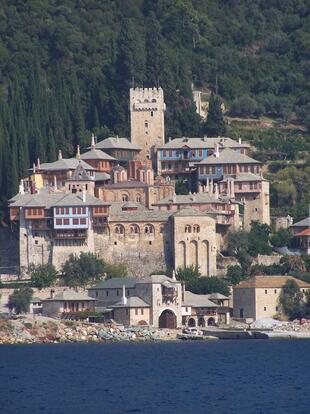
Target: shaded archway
{"x":201,"y":322}
{"x":142,"y":323}
{"x":167,"y":319}
{"x":193,"y":253}
{"x":211,"y":322}
{"x":191,"y":322}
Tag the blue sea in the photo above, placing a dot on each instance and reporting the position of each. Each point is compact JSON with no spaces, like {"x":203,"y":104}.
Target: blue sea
{"x":249,"y":376}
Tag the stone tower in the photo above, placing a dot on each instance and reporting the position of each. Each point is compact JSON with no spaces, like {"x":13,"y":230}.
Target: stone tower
{"x":147,"y":126}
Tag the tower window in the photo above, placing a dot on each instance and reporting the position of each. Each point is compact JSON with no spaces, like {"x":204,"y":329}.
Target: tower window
{"x":146,"y":124}
{"x":152,"y":113}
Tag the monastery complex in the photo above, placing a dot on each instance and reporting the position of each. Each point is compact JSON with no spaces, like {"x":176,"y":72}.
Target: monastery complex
{"x":117,"y":198}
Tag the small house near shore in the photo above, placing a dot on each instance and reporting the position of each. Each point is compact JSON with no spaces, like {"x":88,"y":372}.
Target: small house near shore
{"x":259,"y":296}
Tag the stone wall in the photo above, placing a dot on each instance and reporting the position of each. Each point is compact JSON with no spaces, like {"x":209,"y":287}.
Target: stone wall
{"x":142,"y":253}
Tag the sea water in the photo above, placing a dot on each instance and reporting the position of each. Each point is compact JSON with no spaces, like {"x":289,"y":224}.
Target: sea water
{"x":250,"y":376}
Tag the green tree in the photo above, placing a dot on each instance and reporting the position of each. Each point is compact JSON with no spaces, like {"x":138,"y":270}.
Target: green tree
{"x":291,"y":300}
{"x":187,"y":273}
{"x":83,"y":270}
{"x":214,"y":125}
{"x":43,"y":276}
{"x":235,"y":274}
{"x":281,"y":238}
{"x":20,"y":299}
{"x":181,"y":187}
{"x":205,"y":285}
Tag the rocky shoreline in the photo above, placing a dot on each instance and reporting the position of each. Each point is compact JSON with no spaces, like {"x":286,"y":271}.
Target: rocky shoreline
{"x":42,"y":331}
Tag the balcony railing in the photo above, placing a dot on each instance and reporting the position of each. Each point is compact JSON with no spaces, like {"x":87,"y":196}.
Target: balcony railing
{"x":77,"y":235}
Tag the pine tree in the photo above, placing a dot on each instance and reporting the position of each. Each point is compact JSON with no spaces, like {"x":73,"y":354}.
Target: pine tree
{"x":214,"y":126}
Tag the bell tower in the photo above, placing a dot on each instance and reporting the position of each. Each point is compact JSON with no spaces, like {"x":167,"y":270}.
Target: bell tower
{"x":147,"y":108}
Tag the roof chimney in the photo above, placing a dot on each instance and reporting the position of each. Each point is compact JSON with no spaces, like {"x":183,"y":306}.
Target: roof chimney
{"x":59,"y":155}
{"x":78,"y":153}
{"x":124,"y":299}
{"x":173,"y":275}
{"x":216,"y":150}
{"x":92,"y":145}
{"x":21,"y":187}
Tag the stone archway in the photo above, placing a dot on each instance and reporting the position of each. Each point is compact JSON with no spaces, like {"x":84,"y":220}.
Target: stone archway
{"x":167,"y":319}
{"x":191,"y":322}
{"x":211,"y":322}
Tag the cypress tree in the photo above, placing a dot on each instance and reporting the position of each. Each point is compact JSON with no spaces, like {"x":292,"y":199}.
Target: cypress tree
{"x":214,"y":126}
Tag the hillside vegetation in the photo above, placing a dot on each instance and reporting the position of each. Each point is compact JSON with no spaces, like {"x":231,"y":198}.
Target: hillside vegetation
{"x":66,"y":67}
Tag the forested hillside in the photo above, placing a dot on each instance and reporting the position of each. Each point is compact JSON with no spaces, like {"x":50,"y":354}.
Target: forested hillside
{"x":66,"y":67}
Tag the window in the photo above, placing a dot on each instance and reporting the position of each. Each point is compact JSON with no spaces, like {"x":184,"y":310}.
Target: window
{"x":127,"y":312}
{"x":66,"y":222}
{"x":78,"y":210}
{"x":275,"y":291}
{"x":188,"y":229}
{"x":117,"y":292}
{"x":136,"y":311}
{"x":124,"y":197}
{"x":146,"y":124}
{"x":67,"y":210}
{"x":142,"y":311}
{"x":200,"y":153}
{"x":265,"y":291}
{"x":196,"y":228}
{"x":186,"y":309}
{"x":152,"y":113}
{"x":59,"y":222}
{"x":161,"y":229}
{"x":277,"y":308}
{"x":128,"y":293}
{"x":119,"y":229}
{"x":107,"y":293}
{"x":148,"y":229}
{"x":164,"y":153}
{"x":265,"y":308}
{"x":73,"y":210}
{"x":96,"y":293}
{"x":83,"y":210}
{"x":138,"y":198}
{"x":170,"y":153}
{"x":83,"y":221}
{"x":134,"y":229}
{"x":57,"y":210}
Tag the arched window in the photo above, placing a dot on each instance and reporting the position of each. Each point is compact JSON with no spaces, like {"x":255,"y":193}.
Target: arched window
{"x":119,"y":229}
{"x":188,"y":228}
{"x":125,"y":197}
{"x":138,"y":198}
{"x":154,"y":100}
{"x":196,"y":228}
{"x":149,"y":229}
{"x":134,"y":229}
{"x":161,"y":229}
